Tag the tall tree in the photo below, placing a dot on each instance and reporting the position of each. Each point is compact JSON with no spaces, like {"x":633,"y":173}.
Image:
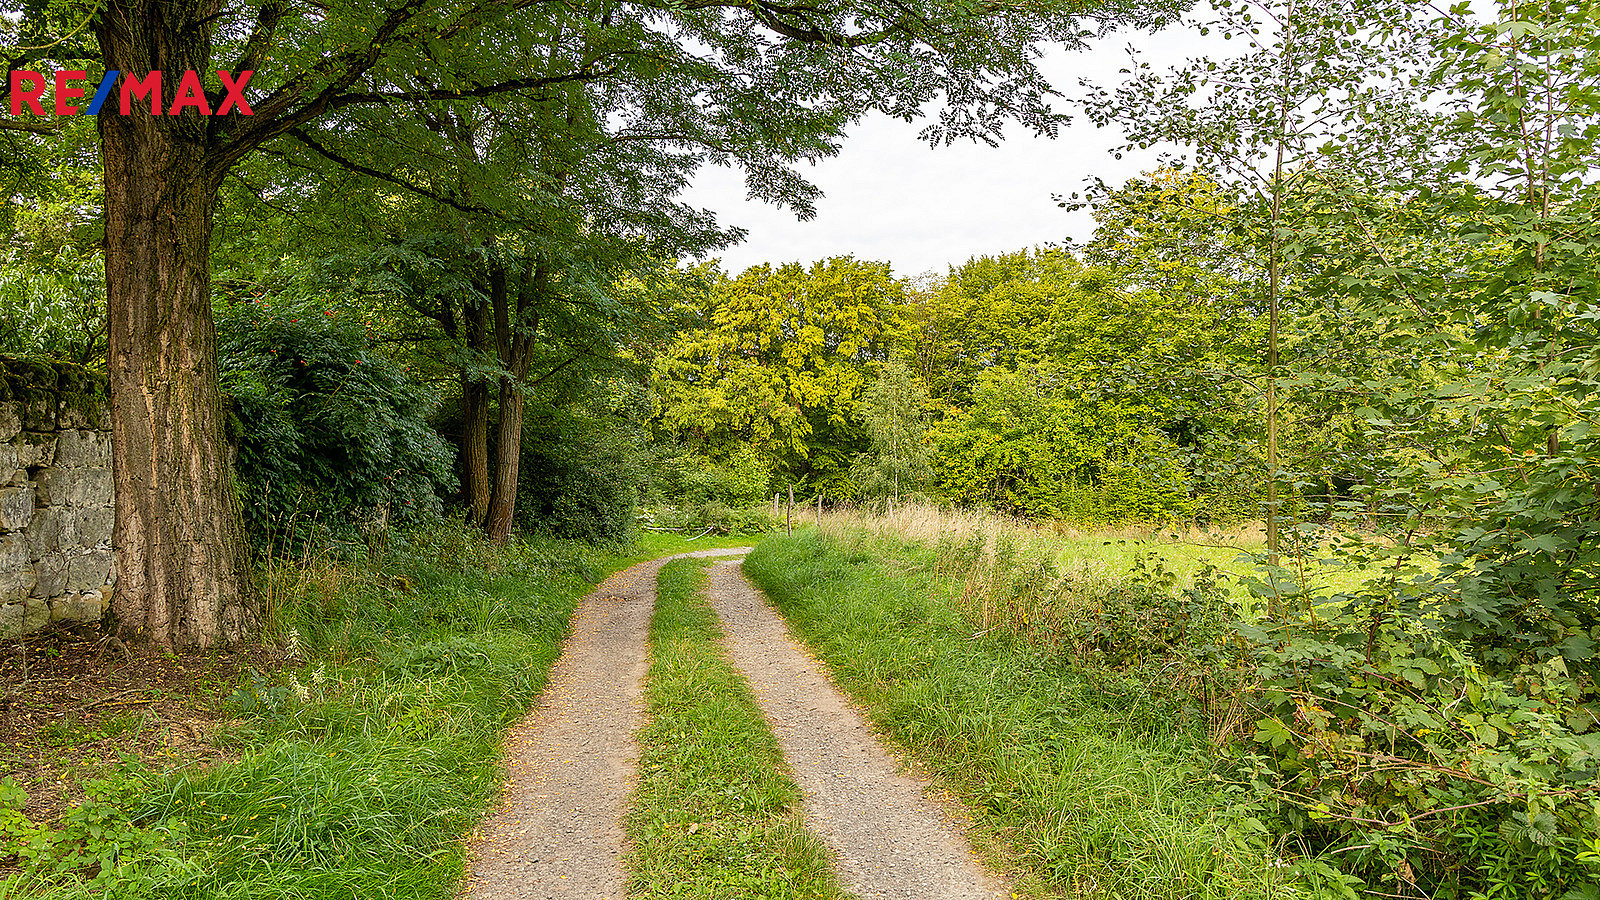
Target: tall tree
{"x":178,"y":534}
{"x":777,"y":360}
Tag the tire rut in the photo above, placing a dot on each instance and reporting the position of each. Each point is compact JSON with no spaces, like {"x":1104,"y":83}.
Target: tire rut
{"x":890,"y":841}
{"x":571,"y":764}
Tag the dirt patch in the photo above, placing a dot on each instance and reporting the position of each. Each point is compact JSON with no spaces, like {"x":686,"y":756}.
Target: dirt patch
{"x":557,"y":832}
{"x":73,"y":702}
{"x":889,"y":838}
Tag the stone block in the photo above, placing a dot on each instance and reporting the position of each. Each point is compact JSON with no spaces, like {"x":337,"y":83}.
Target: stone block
{"x":92,"y":527}
{"x":78,"y":609}
{"x":35,"y":614}
{"x":17,"y":576}
{"x":10,"y":620}
{"x":88,"y":571}
{"x":35,"y":449}
{"x":58,"y":486}
{"x":14,"y":551}
{"x":50,"y":530}
{"x":39,"y":412}
{"x":83,"y":414}
{"x":77,"y":449}
{"x":10,"y":419}
{"x":51,"y":574}
{"x":16,"y":507}
{"x":18,"y":478}
{"x":18,"y":584}
{"x":8,"y":457}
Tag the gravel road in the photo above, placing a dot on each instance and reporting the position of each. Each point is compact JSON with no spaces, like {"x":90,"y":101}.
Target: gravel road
{"x":557,"y":831}
{"x":889,"y":839}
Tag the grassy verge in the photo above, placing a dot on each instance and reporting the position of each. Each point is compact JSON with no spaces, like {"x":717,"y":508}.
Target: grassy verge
{"x":716,"y":815}
{"x":353,"y":761}
{"x":1088,"y":794}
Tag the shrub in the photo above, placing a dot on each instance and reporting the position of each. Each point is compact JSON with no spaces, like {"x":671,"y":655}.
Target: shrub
{"x":579,"y":473}
{"x":742,"y":479}
{"x":712,"y":518}
{"x":56,"y":313}
{"x":332,"y":436}
{"x":1390,"y":749}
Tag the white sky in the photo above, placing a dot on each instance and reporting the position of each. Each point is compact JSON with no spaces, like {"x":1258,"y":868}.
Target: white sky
{"x":888,"y":196}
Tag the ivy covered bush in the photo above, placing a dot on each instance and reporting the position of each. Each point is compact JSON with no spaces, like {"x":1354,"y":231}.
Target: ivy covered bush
{"x":332,"y":437}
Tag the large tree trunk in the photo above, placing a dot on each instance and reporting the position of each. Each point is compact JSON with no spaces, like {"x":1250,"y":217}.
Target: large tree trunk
{"x":515,"y":325}
{"x":507,"y":460}
{"x":179,"y":536}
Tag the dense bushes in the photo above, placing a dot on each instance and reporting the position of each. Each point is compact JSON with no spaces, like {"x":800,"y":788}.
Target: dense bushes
{"x":579,"y":473}
{"x":1391,"y":749}
{"x":331,"y":435}
{"x":53,"y":310}
{"x":1032,"y":444}
{"x":688,"y":492}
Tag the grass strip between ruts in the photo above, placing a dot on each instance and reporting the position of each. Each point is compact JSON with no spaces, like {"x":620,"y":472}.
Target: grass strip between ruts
{"x":1085,"y":798}
{"x":716,"y":814}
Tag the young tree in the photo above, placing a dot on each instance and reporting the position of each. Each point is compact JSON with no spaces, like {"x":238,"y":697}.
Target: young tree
{"x":807,"y":69}
{"x":1482,"y":276}
{"x":1319,"y":85}
{"x":896,"y":418}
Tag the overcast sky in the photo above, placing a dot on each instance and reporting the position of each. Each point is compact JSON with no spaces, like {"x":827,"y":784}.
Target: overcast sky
{"x":888,"y":196}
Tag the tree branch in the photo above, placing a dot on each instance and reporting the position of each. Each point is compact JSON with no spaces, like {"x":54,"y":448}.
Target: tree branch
{"x":353,"y":166}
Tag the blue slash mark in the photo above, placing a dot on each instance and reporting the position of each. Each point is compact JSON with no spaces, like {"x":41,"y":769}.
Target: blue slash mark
{"x":103,"y":92}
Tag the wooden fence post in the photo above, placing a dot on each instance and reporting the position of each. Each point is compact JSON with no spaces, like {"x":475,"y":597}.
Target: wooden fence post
{"x":788,"y":514}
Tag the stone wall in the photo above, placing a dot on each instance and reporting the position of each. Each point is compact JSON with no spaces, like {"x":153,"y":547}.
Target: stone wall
{"x":55,"y":497}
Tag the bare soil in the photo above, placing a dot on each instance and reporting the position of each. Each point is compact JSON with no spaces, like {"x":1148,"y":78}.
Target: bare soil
{"x":72,"y":702}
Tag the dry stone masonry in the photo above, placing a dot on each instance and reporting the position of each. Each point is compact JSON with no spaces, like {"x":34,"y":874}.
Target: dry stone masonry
{"x":55,"y":498}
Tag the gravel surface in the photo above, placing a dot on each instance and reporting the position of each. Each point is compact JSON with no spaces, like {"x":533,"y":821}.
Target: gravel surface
{"x":557,"y":832}
{"x":889,"y":838}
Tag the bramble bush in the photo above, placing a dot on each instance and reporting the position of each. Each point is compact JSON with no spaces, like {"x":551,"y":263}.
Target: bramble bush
{"x":1389,"y":750}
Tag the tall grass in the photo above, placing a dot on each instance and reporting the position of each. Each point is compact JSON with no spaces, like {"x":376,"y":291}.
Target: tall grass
{"x":358,"y":770}
{"x":1092,"y":788}
{"x":1187,"y":552}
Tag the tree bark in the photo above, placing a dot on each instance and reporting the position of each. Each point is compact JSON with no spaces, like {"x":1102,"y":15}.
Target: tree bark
{"x":507,"y":461}
{"x":475,"y":414}
{"x":515,"y":327}
{"x":179,"y":534}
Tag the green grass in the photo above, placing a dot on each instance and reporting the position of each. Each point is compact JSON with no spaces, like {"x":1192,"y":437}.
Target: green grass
{"x":357,"y":773}
{"x":1087,"y":794}
{"x":716,"y":814}
{"x":1237,"y":552}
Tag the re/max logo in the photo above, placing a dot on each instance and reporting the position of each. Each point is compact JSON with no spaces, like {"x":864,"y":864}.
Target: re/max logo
{"x":27,"y":89}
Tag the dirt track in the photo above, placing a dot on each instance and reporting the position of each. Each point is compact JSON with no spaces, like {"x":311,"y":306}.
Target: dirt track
{"x":557,"y":832}
{"x":889,"y":840}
